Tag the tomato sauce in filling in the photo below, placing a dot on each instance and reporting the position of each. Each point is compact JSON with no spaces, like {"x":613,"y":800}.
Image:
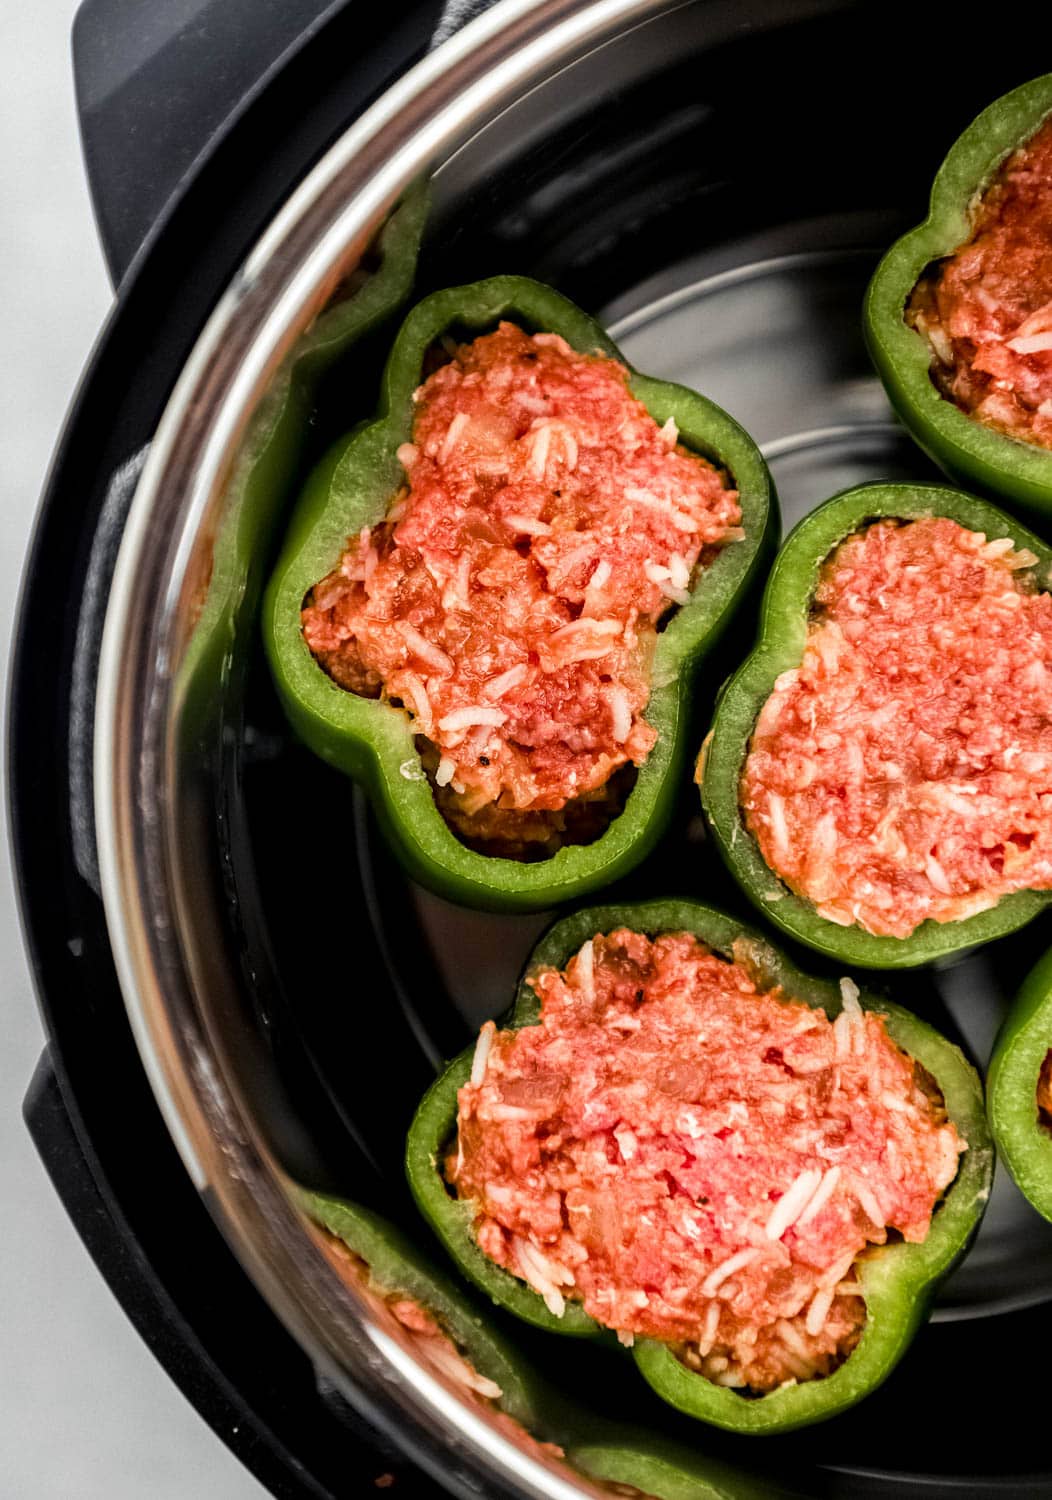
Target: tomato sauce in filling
{"x":698,"y":1159}
{"x":986,"y":310}
{"x":1044,"y":1091}
{"x":903,"y":771}
{"x":510,"y":600}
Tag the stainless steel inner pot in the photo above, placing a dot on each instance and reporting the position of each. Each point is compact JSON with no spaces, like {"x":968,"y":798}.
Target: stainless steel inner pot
{"x":714,"y":179}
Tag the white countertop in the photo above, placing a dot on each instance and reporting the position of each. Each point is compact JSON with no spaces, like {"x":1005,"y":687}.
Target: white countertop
{"x":85,"y":1411}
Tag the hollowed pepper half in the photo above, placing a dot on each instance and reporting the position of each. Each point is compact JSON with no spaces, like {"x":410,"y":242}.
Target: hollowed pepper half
{"x":373,"y":740}
{"x":638,"y":1463}
{"x":970,"y":451}
{"x":785,"y":616}
{"x":897,"y":1280}
{"x":1019,"y":1088}
{"x":387,"y":1265}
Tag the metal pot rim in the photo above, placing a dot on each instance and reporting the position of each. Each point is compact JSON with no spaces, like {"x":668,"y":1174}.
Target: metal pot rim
{"x":282,"y":285}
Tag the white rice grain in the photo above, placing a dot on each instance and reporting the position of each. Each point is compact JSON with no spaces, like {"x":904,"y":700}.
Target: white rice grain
{"x":528,"y":526}
{"x":621,"y":714}
{"x":825,"y":1190}
{"x":468,"y":718}
{"x":455,"y":428}
{"x":425,"y":649}
{"x":792,"y":1339}
{"x":818,"y":1311}
{"x":792,"y":1203}
{"x":849,"y":993}
{"x":585,"y":974}
{"x":457,"y":1368}
{"x":412,"y":687}
{"x":867,"y":1201}
{"x":717,"y":1277}
{"x":678,"y":596}
{"x":679,"y":571}
{"x":838,"y":1270}
{"x":496,"y":687}
{"x":778,"y":825}
{"x":534,"y":1274}
{"x":482,"y":1051}
{"x":709,"y":1328}
{"x":1036,"y":343}
{"x":540,"y":444}
{"x":679,"y":518}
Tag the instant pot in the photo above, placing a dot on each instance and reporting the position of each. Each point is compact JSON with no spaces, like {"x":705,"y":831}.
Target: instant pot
{"x":240,"y":987}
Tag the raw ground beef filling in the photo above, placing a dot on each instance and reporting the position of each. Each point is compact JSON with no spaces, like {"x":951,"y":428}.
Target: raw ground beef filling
{"x":904,"y":770}
{"x":434,"y":1343}
{"x":1044,"y":1091}
{"x":696,"y":1159}
{"x":987,"y":309}
{"x":511,"y":598}
{"x":430,"y":1338}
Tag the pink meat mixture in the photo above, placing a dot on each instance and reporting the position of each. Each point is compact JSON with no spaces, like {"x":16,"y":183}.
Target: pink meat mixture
{"x":903,"y":772}
{"x":429,"y":1337}
{"x":1044,"y":1090}
{"x":433,"y":1343}
{"x":697,"y":1158}
{"x":511,"y":598}
{"x":986,"y":310}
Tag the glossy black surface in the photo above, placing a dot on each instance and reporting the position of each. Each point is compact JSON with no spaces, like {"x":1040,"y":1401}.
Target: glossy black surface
{"x":804,"y":133}
{"x":90,"y":1109}
{"x":723,"y":219}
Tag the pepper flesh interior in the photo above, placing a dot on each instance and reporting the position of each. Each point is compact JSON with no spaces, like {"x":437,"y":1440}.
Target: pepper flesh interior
{"x":986,"y":310}
{"x":903,"y":771}
{"x":696,"y":1158}
{"x":511,"y":598}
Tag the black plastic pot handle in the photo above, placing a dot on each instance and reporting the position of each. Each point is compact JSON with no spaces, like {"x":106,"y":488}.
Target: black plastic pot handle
{"x":158,"y":84}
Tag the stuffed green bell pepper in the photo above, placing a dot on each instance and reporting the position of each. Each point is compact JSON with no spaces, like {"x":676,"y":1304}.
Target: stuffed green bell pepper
{"x":1019,"y":1088}
{"x":752,"y":1178}
{"x":445,"y":1329}
{"x":958,"y":317}
{"x":493,"y":598}
{"x":639,"y":1464}
{"x":876,"y":776}
{"x":272,"y":450}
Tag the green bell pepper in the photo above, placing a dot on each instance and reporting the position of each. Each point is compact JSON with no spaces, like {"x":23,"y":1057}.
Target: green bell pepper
{"x":661,"y":1470}
{"x":373,"y":741}
{"x":1025,"y":1143}
{"x":897,"y":1281}
{"x":395,"y":1266}
{"x":271,"y":452}
{"x":970,"y":452}
{"x":783,"y":628}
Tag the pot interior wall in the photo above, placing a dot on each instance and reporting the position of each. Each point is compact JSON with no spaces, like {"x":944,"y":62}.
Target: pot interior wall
{"x":717,"y":188}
